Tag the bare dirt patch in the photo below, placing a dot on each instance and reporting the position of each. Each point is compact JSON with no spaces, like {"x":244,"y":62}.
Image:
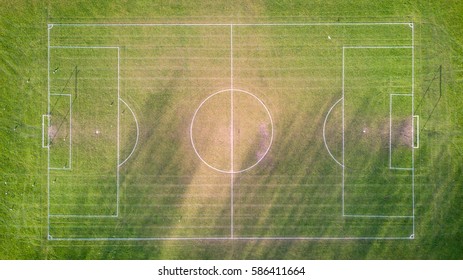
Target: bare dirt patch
{"x":52,"y":131}
{"x":405,"y":135}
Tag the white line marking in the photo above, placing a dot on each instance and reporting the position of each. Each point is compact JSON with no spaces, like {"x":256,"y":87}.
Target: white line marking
{"x":377,"y":47}
{"x":70,"y":135}
{"x":50,"y":26}
{"x":69,"y":164}
{"x":45,"y":132}
{"x":192,"y":137}
{"x":83,"y":47}
{"x":82,"y":216}
{"x":191,"y":132}
{"x":378,"y":216}
{"x":343,"y":139}
{"x":224,"y":238}
{"x":70,"y":132}
{"x":417,"y":118}
{"x":138,"y":132}
{"x":413,"y":106}
{"x":390,"y":131}
{"x":271,"y":136}
{"x":118,"y":129}
{"x":235,"y":24}
{"x":232,"y":139}
{"x":391,"y":102}
{"x":243,"y":238}
{"x":324,"y":134}
{"x":60,"y":168}
{"x":60,"y":94}
{"x":412,"y":169}
{"x":400,"y":168}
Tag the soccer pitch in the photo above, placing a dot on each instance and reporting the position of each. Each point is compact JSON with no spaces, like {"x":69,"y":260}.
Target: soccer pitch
{"x":230,"y":131}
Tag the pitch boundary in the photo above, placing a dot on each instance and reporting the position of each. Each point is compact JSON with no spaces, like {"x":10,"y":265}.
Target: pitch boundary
{"x":50,"y":26}
{"x":412,"y":26}
{"x":411,"y":237}
{"x":234,"y":24}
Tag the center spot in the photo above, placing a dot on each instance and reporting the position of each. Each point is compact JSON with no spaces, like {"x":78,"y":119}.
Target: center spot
{"x":231,"y":131}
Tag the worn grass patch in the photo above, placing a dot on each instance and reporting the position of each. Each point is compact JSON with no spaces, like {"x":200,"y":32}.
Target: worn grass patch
{"x":164,"y":189}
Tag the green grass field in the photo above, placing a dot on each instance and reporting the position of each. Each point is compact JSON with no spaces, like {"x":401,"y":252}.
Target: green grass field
{"x":238,"y":131}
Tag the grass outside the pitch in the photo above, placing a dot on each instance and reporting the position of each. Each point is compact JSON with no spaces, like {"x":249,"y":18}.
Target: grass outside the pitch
{"x":23,"y":94}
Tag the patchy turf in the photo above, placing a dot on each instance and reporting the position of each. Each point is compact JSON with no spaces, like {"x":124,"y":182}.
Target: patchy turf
{"x":166,"y":172}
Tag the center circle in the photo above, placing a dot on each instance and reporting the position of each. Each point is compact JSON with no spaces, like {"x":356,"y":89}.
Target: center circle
{"x":231,"y":131}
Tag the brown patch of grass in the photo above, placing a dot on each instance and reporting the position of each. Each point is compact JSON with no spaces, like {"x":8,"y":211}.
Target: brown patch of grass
{"x":52,"y":131}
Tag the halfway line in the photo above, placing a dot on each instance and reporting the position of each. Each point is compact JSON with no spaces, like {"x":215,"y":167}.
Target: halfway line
{"x":231,"y":133}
